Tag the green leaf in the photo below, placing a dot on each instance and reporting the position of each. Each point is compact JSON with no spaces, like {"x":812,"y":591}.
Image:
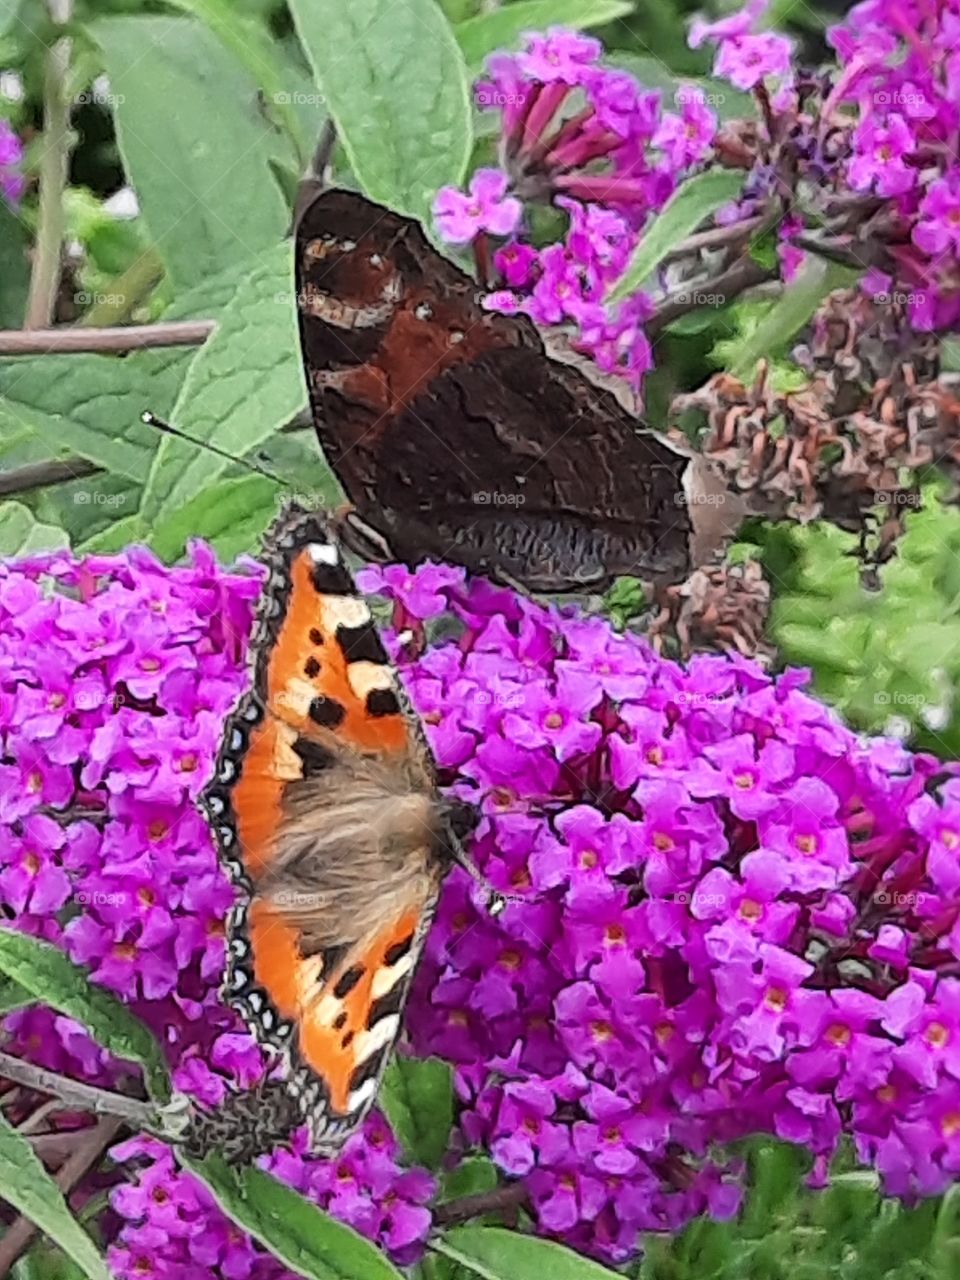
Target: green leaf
{"x":501,"y":29}
{"x":244,"y":384}
{"x":248,"y":40}
{"x":93,"y":404}
{"x":295,"y":1231}
{"x":14,"y":268}
{"x":497,"y":1254}
{"x":13,"y":996}
{"x":800,"y":299}
{"x":21,"y":534}
{"x":194,"y":143}
{"x":50,"y":977}
{"x":397,"y":89}
{"x":417,"y":1096}
{"x":114,"y":537}
{"x":691,"y":204}
{"x":469,"y":1178}
{"x":26,"y":1185}
{"x":950,"y":355}
{"x":231,"y":516}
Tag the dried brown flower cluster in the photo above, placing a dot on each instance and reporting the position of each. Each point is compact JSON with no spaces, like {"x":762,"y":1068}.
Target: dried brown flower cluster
{"x":849,"y":444}
{"x":720,"y":609}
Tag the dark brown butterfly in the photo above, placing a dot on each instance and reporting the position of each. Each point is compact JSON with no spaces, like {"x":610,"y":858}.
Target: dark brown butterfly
{"x":453,"y":433}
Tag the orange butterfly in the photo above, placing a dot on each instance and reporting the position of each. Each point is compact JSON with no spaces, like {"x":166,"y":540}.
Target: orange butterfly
{"x":326,"y":811}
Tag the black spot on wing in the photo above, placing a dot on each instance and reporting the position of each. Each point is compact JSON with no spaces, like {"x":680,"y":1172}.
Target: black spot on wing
{"x":347,"y":981}
{"x":392,"y":1002}
{"x":315,"y":758}
{"x":382,"y":702}
{"x":316,"y":636}
{"x":311,"y":668}
{"x":327,"y":712}
{"x":331,"y":579}
{"x":361,"y":644}
{"x":369,"y":1069}
{"x":398,"y":950}
{"x":340,"y":1021}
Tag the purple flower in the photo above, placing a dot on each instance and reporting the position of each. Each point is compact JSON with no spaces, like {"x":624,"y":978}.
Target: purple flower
{"x":878,"y":161}
{"x":938,"y":227}
{"x":747,"y":60}
{"x":729,"y":915}
{"x":686,"y":138}
{"x":486,"y":207}
{"x":560,"y":55}
{"x":735,"y":24}
{"x":12,"y":181}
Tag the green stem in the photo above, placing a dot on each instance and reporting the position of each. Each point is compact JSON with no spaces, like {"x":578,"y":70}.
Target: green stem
{"x":45,"y":276}
{"x":125,"y":292}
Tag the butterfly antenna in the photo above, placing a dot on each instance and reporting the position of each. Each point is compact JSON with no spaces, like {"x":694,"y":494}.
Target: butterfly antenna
{"x":151,"y":420}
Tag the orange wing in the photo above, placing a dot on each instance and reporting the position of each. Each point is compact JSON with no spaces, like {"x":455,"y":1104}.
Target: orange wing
{"x":347,"y":1016}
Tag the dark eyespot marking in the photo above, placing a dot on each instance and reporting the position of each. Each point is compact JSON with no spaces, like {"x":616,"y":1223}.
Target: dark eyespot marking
{"x":347,"y":1040}
{"x":398,"y":950}
{"x":382,"y":702}
{"x":316,"y":637}
{"x":361,"y":644}
{"x":327,"y":713}
{"x":347,"y":981}
{"x":311,"y":668}
{"x":341,"y":1020}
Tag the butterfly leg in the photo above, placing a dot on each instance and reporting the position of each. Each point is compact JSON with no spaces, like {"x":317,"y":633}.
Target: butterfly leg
{"x":462,"y":818}
{"x":361,"y":538}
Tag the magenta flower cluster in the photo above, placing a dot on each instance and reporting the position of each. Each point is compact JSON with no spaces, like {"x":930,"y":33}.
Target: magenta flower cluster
{"x":593,"y":143}
{"x":737,"y":917}
{"x":900,"y":75}
{"x":734,"y":916}
{"x":608,"y":165}
{"x":12,"y":181}
{"x":113,"y":690}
